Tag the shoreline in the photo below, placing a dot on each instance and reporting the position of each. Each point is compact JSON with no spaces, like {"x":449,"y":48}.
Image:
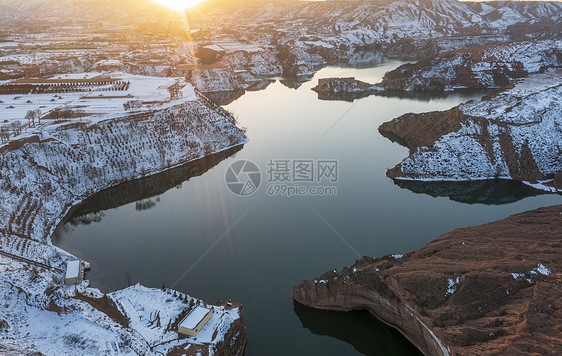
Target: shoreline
{"x":471,"y":290}
{"x":81,"y":201}
{"x":215,"y":134}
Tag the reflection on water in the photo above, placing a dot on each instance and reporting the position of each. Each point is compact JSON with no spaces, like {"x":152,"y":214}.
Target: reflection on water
{"x":225,"y":97}
{"x":393,"y":138}
{"x":488,"y":192}
{"x":349,"y":97}
{"x":418,"y":95}
{"x":141,"y":232}
{"x":357,"y":329}
{"x":294,"y":83}
{"x":365,"y":59}
{"x":429,"y":95}
{"x":261,"y":84}
{"x":143,"y":192}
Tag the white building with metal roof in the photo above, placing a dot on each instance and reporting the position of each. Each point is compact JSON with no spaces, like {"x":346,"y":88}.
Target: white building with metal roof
{"x":74,"y":272}
{"x":195,"y":321}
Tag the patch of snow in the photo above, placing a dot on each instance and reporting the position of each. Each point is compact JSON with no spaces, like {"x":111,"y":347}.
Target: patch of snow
{"x":452,"y":285}
{"x":540,"y":269}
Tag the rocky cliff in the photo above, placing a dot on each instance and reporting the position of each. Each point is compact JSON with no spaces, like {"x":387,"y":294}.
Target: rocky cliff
{"x":491,"y":289}
{"x":513,"y":134}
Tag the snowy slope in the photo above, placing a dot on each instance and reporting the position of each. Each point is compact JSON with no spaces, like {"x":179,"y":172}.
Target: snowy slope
{"x":479,"y":67}
{"x":59,"y":164}
{"x":147,"y":308}
{"x":305,"y":36}
{"x":516,"y":134}
{"x":39,"y":316}
{"x":46,"y":170}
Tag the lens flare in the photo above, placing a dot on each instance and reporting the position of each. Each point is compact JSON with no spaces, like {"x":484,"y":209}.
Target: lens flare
{"x":179,"y":4}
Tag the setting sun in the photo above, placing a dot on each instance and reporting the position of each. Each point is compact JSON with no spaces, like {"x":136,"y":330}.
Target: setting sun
{"x":179,"y":4}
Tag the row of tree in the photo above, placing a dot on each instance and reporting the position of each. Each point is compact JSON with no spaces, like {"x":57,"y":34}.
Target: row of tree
{"x":132,"y":105}
{"x":32,"y":116}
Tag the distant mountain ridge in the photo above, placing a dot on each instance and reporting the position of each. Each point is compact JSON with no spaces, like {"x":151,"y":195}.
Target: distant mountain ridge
{"x":416,"y":16}
{"x":84,"y":9}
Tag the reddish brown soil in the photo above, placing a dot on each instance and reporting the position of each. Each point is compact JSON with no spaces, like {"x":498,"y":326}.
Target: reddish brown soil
{"x":417,"y":130}
{"x":489,"y":311}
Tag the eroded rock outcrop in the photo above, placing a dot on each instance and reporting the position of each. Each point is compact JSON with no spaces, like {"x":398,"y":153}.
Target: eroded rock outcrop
{"x":341,"y":85}
{"x":515,"y":134}
{"x":491,"y":289}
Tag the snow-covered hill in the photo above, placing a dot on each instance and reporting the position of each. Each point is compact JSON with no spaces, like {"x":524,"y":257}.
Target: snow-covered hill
{"x":295,"y":38}
{"x":300,"y":37}
{"x":516,"y":134}
{"x":386,"y":20}
{"x":478,"y":67}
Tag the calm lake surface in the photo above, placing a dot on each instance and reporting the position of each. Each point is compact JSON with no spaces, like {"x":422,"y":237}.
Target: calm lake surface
{"x":255,"y":249}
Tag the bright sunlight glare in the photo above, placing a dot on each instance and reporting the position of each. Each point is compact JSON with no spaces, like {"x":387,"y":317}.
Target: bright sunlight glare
{"x":179,"y":4}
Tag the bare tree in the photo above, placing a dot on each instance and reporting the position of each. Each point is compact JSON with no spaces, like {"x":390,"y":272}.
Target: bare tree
{"x":38,"y":116}
{"x":16,"y":127}
{"x":129,"y":279}
{"x":4,"y":134}
{"x":132,"y":105}
{"x":30,"y":117}
{"x":64,"y":114}
{"x":33,"y":115}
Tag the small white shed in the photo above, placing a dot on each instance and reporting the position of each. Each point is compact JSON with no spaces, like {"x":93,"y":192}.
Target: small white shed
{"x":195,"y":321}
{"x":74,"y":272}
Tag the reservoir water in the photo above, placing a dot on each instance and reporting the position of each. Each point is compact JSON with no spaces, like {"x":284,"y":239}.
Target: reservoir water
{"x":254,"y":249}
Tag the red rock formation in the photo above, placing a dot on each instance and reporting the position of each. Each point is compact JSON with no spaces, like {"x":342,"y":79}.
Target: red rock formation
{"x":491,"y":289}
{"x":417,"y":130}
